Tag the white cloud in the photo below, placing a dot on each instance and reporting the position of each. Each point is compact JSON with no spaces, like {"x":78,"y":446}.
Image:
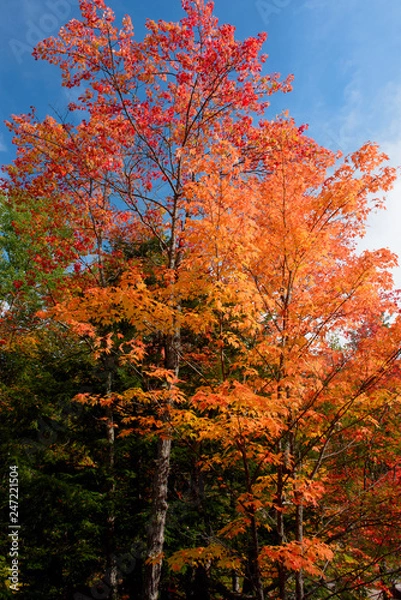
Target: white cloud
{"x":385,"y":226}
{"x":366,"y":116}
{"x":3,"y":147}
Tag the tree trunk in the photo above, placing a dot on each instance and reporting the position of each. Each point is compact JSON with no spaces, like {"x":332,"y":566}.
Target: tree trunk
{"x":299,"y":578}
{"x":235,"y":581}
{"x":257,"y":579}
{"x":158,"y":521}
{"x":155,"y":541}
{"x":253,"y":556}
{"x":157,"y":524}
{"x":282,"y":571}
{"x":112,"y":570}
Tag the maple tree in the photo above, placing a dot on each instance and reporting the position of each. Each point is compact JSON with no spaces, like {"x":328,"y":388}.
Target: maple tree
{"x":311,"y":363}
{"x":214,"y":256}
{"x":142,"y":138}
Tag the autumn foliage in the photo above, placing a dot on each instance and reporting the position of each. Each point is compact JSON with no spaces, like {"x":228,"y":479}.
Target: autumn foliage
{"x":180,"y":234}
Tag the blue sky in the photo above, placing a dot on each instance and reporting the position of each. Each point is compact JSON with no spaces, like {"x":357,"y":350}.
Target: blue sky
{"x":345,"y":56}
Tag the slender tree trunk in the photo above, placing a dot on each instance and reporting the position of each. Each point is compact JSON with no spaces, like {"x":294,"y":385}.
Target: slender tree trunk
{"x":299,"y":578}
{"x":157,"y":523}
{"x":255,"y":550}
{"x":235,"y":581}
{"x":254,"y":568}
{"x":109,"y":365}
{"x":282,"y":571}
{"x":112,"y":570}
{"x":283,"y":393}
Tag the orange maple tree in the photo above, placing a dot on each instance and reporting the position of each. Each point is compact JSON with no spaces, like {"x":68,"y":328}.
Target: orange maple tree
{"x":308,"y":355}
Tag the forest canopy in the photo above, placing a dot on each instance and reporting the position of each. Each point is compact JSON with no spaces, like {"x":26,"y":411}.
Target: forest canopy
{"x":200,"y":377}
